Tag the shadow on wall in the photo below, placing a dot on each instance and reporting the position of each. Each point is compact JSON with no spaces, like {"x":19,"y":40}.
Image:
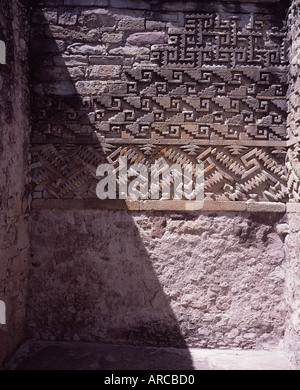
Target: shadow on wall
{"x":91,"y":277}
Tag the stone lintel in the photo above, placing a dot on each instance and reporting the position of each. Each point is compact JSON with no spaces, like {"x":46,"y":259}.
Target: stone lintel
{"x":162,"y":205}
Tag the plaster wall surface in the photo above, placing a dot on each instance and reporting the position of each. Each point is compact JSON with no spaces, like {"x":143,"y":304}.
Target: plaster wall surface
{"x":209,"y":280}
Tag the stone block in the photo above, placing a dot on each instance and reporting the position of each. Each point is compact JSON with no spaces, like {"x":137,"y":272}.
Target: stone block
{"x":131,"y":24}
{"x":87,"y":3}
{"x":70,"y":61}
{"x":293,"y":207}
{"x":160,"y":300}
{"x":224,"y":206}
{"x":135,"y":298}
{"x":86,"y":49}
{"x":165,"y":273}
{"x":262,"y":207}
{"x":106,"y":60}
{"x":63,"y":88}
{"x":44,"y":17}
{"x":68,"y":18}
{"x":165,"y":17}
{"x":129,"y":51}
{"x":98,"y":18}
{"x":130,"y":4}
{"x":69,"y":34}
{"x":92,"y":204}
{"x":91,"y":87}
{"x":104,"y":71}
{"x":282,"y":229}
{"x":48,"y":45}
{"x":171,"y":205}
{"x":146,"y":38}
{"x":50,"y":3}
{"x":155,"y":25}
{"x":112,"y":37}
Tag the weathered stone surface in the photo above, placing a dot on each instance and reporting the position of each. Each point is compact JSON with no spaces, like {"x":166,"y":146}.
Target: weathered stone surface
{"x":159,"y":227}
{"x":97,"y":18}
{"x":154,"y":25}
{"x":14,"y":174}
{"x":129,"y":51}
{"x":44,"y":17}
{"x":106,"y":60}
{"x":146,"y":38}
{"x":291,"y":337}
{"x":62,"y":88}
{"x":181,"y":87}
{"x":65,"y":33}
{"x":68,"y":17}
{"x":67,"y":61}
{"x":131,"y":24}
{"x":165,"y":99}
{"x":91,"y":87}
{"x":87,"y":49}
{"x":99,"y":3}
{"x":134,"y":4}
{"x":104,"y":71}
{"x":112,"y":37}
{"x":192,"y":276}
{"x":266,"y":207}
{"x":48,"y":45}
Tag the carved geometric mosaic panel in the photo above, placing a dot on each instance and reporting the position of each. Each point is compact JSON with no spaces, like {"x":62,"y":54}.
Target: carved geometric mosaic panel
{"x":213,"y":92}
{"x":216,"y":79}
{"x":232,"y":173}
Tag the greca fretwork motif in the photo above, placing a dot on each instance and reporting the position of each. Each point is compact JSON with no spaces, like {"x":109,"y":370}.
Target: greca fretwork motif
{"x":213,"y":93}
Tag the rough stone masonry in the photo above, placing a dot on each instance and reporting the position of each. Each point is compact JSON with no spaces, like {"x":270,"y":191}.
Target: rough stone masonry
{"x":14,"y":173}
{"x":177,"y":82}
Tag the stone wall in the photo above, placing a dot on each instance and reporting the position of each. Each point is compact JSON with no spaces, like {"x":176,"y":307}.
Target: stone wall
{"x":291,"y":339}
{"x":14,"y":177}
{"x":293,"y":104}
{"x":176,"y":81}
{"x":176,"y":279}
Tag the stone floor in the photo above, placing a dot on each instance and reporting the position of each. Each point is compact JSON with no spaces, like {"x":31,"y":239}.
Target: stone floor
{"x":41,"y":355}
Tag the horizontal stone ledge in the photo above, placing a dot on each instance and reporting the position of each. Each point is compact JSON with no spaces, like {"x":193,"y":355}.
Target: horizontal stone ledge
{"x":293,"y":207}
{"x":154,"y":141}
{"x":158,"y":205}
{"x":269,"y":207}
{"x":48,"y":139}
{"x":182,"y":205}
